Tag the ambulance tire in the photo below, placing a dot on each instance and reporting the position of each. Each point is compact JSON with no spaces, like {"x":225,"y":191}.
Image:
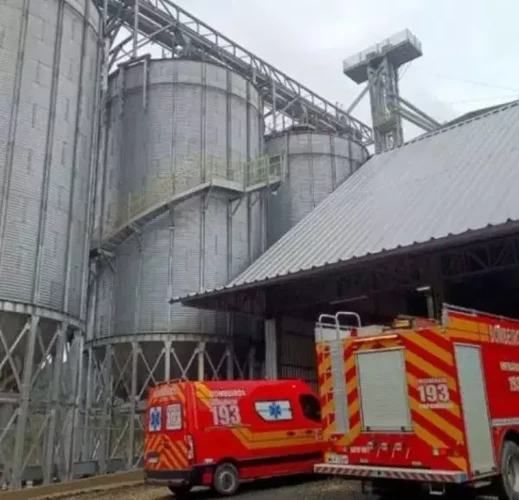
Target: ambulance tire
{"x":226,"y":479}
{"x":510,"y":471}
{"x":180,"y":491}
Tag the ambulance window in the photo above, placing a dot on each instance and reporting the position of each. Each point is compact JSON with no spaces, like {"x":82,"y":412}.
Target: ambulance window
{"x":274,"y":411}
{"x":174,"y":417}
{"x":310,"y":406}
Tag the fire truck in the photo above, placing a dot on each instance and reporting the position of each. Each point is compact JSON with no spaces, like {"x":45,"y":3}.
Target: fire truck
{"x":421,"y":403}
{"x":222,"y":433}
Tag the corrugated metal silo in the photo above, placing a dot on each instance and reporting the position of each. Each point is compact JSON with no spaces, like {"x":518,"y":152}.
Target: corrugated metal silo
{"x":315,"y":164}
{"x":178,"y":212}
{"x":49,"y":68}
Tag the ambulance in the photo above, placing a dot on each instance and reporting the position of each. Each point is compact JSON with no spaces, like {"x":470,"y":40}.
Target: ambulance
{"x":421,"y":404}
{"x":222,"y":433}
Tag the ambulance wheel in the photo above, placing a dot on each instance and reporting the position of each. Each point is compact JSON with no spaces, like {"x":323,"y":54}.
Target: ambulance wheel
{"x":180,"y":491}
{"x":226,"y":479}
{"x":510,"y":470}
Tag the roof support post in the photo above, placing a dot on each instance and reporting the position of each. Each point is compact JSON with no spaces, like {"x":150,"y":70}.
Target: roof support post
{"x":271,"y":349}
{"x":201,"y":361}
{"x":251,"y":355}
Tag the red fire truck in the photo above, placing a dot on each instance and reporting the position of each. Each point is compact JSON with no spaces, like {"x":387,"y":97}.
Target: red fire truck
{"x":422,"y":403}
{"x":219,"y":434}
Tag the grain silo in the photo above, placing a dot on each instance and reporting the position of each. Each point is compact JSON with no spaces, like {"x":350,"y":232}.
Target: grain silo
{"x":180,"y":215}
{"x":49,"y":68}
{"x":315,"y":164}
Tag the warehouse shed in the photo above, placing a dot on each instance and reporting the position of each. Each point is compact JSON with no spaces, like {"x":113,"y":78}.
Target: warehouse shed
{"x":435,"y":220}
{"x":443,"y":189}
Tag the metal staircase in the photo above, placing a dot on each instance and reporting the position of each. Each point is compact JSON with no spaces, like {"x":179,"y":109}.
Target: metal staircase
{"x":147,"y":207}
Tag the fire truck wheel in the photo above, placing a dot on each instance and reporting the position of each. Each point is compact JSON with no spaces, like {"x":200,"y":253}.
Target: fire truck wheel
{"x":510,"y":470}
{"x":226,"y":479}
{"x":180,"y":491}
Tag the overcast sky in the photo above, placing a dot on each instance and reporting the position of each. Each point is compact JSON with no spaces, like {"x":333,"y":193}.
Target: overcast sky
{"x":470,"y":46}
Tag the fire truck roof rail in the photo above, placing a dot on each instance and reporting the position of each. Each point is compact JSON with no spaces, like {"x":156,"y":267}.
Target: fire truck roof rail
{"x":327,"y":321}
{"x":322,"y":317}
{"x":475,"y":312}
{"x":335,"y":319}
{"x":349,"y":314}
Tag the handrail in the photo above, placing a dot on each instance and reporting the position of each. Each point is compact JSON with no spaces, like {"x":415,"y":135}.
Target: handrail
{"x":163,"y":188}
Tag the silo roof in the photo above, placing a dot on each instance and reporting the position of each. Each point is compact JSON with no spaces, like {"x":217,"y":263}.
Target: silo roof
{"x":440,"y":187}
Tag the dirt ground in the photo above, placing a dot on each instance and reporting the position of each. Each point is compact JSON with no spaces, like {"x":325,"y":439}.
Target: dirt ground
{"x":278,"y":489}
{"x":285,"y":489}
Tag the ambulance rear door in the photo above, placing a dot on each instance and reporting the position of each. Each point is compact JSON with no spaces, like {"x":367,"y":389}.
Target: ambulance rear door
{"x":167,"y":427}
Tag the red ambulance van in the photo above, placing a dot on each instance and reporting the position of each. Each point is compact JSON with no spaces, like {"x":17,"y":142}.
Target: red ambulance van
{"x":219,"y":434}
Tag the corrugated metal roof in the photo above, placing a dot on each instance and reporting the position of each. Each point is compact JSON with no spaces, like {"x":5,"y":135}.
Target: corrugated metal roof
{"x":458,"y":179}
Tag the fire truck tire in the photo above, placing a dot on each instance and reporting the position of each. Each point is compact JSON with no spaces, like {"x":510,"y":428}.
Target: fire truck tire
{"x":226,"y":479}
{"x":510,"y":471}
{"x":180,"y":491}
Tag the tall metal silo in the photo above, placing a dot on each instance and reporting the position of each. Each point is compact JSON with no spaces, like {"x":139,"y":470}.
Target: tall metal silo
{"x":49,"y":69}
{"x":183,"y":211}
{"x":315,"y":164}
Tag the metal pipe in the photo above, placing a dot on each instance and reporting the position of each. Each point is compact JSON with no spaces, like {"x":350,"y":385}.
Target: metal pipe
{"x":136,"y":13}
{"x":419,"y":112}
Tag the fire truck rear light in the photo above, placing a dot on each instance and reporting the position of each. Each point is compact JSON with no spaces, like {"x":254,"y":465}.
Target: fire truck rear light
{"x":442,"y":452}
{"x":190,"y":447}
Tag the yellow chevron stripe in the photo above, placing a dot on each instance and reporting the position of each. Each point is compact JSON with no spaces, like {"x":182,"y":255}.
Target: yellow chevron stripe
{"x":328,"y":408}
{"x":350,"y":436}
{"x":421,"y":341}
{"x":428,"y":368}
{"x":427,"y":437}
{"x":434,"y":442}
{"x":446,"y":427}
{"x":326,"y":365}
{"x":354,"y":407}
{"x":351,"y":385}
{"x":327,"y":386}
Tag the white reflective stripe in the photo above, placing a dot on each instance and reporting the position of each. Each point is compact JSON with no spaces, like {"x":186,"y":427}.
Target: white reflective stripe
{"x":502,"y":422}
{"x":441,"y":476}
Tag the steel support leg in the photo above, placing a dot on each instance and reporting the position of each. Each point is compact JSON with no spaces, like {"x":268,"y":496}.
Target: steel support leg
{"x":104,"y":451}
{"x":21,"y":424}
{"x":271,"y":350}
{"x":55,"y":404}
{"x":133,"y":402}
{"x":230,"y":361}
{"x":75,"y":399}
{"x":201,"y":361}
{"x":251,"y":361}
{"x":167,"y":360}
{"x":86,"y":450}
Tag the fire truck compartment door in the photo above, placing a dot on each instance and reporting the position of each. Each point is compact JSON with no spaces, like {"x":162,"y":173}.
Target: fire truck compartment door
{"x":475,"y":408}
{"x":384,"y":400}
